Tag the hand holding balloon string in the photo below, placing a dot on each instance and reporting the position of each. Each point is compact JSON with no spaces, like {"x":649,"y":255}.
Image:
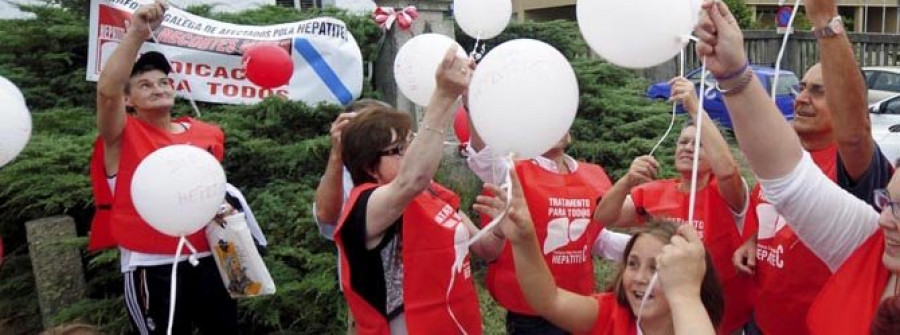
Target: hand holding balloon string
{"x":152,"y":16}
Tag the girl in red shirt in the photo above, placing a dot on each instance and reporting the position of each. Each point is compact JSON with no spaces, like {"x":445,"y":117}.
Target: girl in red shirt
{"x":687,"y":301}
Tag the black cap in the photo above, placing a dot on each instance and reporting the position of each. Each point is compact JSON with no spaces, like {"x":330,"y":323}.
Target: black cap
{"x":151,"y":61}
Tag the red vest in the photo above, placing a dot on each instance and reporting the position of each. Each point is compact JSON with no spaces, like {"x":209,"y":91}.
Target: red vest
{"x":429,"y":226}
{"x":848,"y":301}
{"x":714,"y":221}
{"x":788,"y":274}
{"x":612,"y":318}
{"x":562,"y":206}
{"x":117,"y":221}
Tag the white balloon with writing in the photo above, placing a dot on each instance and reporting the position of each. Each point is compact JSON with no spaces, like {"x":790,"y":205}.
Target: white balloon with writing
{"x":636,"y":33}
{"x":178,"y":189}
{"x":15,"y":122}
{"x":482,"y":19}
{"x":416,"y":63}
{"x":523,"y":98}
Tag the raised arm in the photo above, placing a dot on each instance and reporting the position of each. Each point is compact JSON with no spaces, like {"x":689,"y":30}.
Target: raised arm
{"x":731,"y":184}
{"x":114,"y":77}
{"x":816,"y":208}
{"x":330,"y":191}
{"x":845,"y":92}
{"x":682,"y":266}
{"x":616,"y":208}
{"x":573,"y":312}
{"x":423,"y":156}
{"x":768,"y":142}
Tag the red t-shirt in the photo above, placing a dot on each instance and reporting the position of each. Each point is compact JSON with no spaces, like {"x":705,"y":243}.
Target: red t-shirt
{"x":789,"y":275}
{"x":612,"y":318}
{"x":849,"y":300}
{"x":714,"y":220}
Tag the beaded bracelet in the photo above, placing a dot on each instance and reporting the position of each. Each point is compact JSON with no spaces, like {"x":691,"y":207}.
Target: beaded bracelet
{"x":735,"y":74}
{"x":739,"y":87}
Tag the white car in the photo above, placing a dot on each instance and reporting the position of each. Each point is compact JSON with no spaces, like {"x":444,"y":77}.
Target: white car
{"x":883,"y":82}
{"x":885,"y":119}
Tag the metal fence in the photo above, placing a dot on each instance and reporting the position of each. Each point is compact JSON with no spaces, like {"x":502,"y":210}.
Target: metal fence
{"x":802,"y":51}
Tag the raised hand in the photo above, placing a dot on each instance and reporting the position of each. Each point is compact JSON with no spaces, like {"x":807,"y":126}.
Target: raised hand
{"x":684,"y":94}
{"x":338,"y":126}
{"x":820,"y":12}
{"x":453,"y":74}
{"x":148,"y":17}
{"x":643,"y":169}
{"x":517,"y":225}
{"x":682,"y":264}
{"x":721,"y":41}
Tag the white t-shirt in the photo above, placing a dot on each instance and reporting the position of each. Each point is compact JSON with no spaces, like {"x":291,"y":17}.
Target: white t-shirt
{"x":832,"y":222}
{"x":326,"y":229}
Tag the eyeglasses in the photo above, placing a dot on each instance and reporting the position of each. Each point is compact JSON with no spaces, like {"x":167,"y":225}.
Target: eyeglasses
{"x":883,"y":201}
{"x":395,"y":151}
{"x":815,"y":90}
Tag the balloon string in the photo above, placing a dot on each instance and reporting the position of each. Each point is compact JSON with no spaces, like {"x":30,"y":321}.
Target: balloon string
{"x":699,"y":122}
{"x":647,"y":293}
{"x":507,"y":186}
{"x":459,"y":325}
{"x":189,"y":94}
{"x":674,"y":106}
{"x":172,"y":284}
{"x":476,"y":54}
{"x":460,"y":257}
{"x":784,"y":41}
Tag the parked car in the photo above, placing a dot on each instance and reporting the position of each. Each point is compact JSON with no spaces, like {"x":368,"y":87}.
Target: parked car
{"x":883,"y":82}
{"x":885,"y":119}
{"x":715,"y":105}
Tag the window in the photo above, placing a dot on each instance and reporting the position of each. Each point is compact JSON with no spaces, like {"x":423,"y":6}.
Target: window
{"x":886,"y":81}
{"x":786,"y":83}
{"x":892,"y":107}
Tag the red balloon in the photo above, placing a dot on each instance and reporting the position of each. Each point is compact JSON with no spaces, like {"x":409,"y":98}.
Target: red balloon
{"x":268,"y":65}
{"x":461,"y":126}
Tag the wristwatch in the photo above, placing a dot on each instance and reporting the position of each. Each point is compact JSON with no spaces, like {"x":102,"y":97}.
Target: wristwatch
{"x":833,"y":28}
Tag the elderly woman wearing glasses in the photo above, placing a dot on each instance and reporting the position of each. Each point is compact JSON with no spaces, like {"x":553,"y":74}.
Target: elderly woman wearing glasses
{"x":401,"y":238}
{"x":859,"y":244}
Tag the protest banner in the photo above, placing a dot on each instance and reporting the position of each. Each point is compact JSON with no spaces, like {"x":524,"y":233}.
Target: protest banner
{"x":206,"y":54}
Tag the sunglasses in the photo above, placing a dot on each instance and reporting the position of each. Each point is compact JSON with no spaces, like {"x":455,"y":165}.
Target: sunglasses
{"x":883,"y":201}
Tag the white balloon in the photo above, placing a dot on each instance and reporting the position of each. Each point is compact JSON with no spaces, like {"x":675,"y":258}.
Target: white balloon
{"x":178,"y":189}
{"x":523,"y":98}
{"x":7,"y":85}
{"x":482,"y":19}
{"x":416,"y":63}
{"x":15,"y":125}
{"x":636,"y":33}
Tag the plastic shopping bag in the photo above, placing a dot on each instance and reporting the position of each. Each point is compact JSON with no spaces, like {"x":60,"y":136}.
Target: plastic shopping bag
{"x":243,"y":270}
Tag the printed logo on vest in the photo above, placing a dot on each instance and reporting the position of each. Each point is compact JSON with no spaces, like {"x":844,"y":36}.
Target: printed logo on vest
{"x":561,"y":232}
{"x":770,"y":222}
{"x":770,"y":255}
{"x":447,"y":217}
{"x":698,"y":224}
